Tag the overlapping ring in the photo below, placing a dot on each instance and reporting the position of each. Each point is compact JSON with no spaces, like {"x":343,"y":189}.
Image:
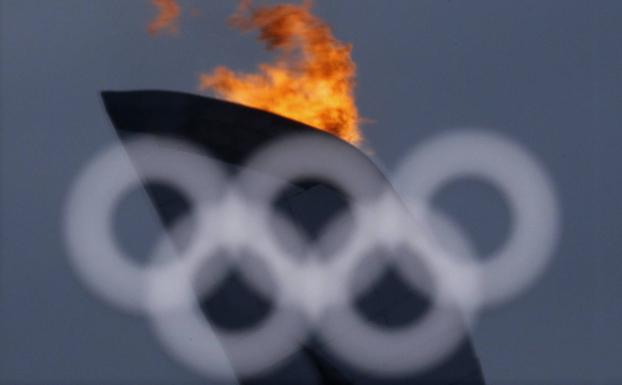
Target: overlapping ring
{"x":310,"y":294}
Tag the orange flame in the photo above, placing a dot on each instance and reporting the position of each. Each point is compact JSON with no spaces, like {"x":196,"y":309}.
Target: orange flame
{"x":311,"y":79}
{"x":167,"y":18}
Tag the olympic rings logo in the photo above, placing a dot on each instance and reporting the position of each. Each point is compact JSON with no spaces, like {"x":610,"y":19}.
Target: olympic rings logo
{"x":311,"y":293}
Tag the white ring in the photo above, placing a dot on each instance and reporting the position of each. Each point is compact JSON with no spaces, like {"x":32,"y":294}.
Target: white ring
{"x":306,"y":156}
{"x":422,"y":344}
{"x":517,"y":175}
{"x":188,"y":336}
{"x":94,"y":253}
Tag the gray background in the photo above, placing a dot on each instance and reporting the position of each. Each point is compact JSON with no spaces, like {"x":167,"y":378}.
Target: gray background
{"x":545,"y":73}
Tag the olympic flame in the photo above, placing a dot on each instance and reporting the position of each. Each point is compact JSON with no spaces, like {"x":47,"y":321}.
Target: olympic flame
{"x":167,"y":18}
{"x":311,"y":78}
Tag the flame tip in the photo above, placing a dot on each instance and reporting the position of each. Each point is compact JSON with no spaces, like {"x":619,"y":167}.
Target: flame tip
{"x":311,"y":78}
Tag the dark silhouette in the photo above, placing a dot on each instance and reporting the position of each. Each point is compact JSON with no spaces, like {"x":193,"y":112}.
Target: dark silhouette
{"x":231,"y":133}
